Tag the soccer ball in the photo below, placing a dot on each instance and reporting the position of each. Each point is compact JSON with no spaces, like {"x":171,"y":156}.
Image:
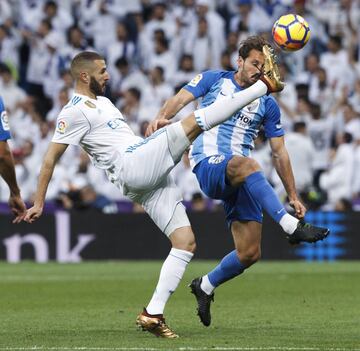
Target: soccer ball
{"x":291,"y":32}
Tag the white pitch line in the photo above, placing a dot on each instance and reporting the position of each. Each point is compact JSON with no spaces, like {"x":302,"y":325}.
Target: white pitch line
{"x":216,"y":348}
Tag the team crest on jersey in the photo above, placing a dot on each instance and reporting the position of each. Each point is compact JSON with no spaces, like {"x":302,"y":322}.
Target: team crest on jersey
{"x":252,"y":106}
{"x":5,"y":121}
{"x":214,"y":160}
{"x":88,"y":103}
{"x":61,"y":126}
{"x":195,"y":81}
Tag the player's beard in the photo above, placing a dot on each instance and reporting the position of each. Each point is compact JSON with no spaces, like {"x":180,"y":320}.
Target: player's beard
{"x":248,"y":80}
{"x":95,"y":87}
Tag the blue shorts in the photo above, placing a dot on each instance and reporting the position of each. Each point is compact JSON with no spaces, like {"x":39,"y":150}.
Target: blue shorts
{"x":238,"y":202}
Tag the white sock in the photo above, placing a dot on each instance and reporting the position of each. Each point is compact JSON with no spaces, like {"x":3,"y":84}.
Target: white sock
{"x":206,"y":285}
{"x":288,"y":223}
{"x":218,"y":112}
{"x":171,"y":273}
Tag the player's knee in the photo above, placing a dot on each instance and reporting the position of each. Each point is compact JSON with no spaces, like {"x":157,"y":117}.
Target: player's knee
{"x":239,"y":168}
{"x":186,"y":245}
{"x":183,"y":239}
{"x":191,"y":246}
{"x":249,"y":256}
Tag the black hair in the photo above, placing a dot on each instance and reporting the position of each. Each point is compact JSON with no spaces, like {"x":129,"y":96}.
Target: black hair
{"x":255,"y":42}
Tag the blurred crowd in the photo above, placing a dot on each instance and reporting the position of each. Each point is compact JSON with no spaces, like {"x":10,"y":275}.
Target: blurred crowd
{"x":152,"y":49}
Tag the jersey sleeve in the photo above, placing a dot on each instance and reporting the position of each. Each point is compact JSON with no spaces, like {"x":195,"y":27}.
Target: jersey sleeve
{"x":4,"y":123}
{"x":272,"y":123}
{"x":201,"y":84}
{"x":71,"y":126}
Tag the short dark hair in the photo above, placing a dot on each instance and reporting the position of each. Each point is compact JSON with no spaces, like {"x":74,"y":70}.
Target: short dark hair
{"x":299,"y":126}
{"x":83,"y":60}
{"x":135,"y":93}
{"x":255,"y":42}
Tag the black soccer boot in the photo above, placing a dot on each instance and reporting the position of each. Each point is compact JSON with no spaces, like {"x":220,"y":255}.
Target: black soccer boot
{"x":306,"y":232}
{"x":203,"y":301}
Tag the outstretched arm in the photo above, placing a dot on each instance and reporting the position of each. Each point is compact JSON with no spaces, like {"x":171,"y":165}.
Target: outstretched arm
{"x":7,"y":171}
{"x":52,"y":156}
{"x":283,"y":168}
{"x":170,"y":108}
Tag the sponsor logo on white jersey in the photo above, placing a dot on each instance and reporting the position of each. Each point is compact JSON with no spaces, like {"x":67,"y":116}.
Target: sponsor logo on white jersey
{"x":195,"y":81}
{"x":61,"y":126}
{"x":5,"y":121}
{"x":216,"y":159}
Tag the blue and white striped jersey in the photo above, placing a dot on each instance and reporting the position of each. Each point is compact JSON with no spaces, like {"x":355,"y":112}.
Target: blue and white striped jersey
{"x":235,"y":136}
{"x":4,"y":123}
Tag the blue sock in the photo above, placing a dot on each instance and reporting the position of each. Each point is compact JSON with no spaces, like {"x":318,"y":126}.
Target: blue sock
{"x":263,"y":192}
{"x":229,"y":267}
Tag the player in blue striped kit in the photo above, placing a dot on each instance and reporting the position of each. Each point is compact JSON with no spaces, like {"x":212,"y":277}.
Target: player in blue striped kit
{"x":7,"y":170}
{"x":221,"y":160}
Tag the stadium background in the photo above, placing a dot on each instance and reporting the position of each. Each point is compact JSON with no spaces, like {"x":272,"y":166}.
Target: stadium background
{"x":152,"y":49}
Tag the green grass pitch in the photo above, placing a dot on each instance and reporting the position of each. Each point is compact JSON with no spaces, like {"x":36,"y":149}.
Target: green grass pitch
{"x":92,"y":306}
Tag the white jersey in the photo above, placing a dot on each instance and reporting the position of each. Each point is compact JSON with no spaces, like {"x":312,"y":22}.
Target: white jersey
{"x":98,"y":127}
{"x":138,"y":167}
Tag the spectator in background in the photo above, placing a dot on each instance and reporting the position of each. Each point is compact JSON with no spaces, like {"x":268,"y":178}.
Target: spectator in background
{"x":9,"y":46}
{"x":38,"y":59}
{"x":336,"y":63}
{"x":354,"y":98}
{"x":301,"y":152}
{"x":251,"y":18}
{"x":202,"y":44}
{"x":29,"y":12}
{"x":121,"y":47}
{"x":156,"y":92}
{"x":185,"y":71}
{"x":126,"y":77}
{"x":232,"y":44}
{"x":61,"y":100}
{"x":216,"y":29}
{"x":337,"y":180}
{"x":10,"y":91}
{"x":226,"y":61}
{"x":130,"y":105}
{"x":5,"y":11}
{"x":320,"y":92}
{"x":163,"y":58}
{"x":160,"y":19}
{"x":307,"y":76}
{"x":75,"y":42}
{"x":185,"y":16}
{"x":24,"y":122}
{"x":320,"y":130}
{"x":89,"y":198}
{"x":54,"y":65}
{"x":186,"y":179}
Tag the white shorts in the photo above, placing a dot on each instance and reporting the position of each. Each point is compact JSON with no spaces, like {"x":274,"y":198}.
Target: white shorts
{"x":147,"y":164}
{"x":146,"y":180}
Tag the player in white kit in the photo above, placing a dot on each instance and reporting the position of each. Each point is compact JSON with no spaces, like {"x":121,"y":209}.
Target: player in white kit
{"x":140,"y":167}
